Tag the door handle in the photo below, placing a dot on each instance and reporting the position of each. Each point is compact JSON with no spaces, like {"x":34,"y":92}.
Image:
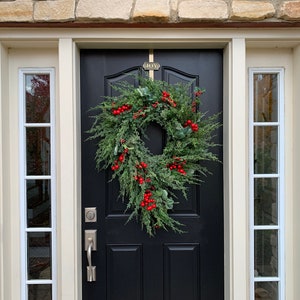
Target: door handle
{"x":90,"y":245}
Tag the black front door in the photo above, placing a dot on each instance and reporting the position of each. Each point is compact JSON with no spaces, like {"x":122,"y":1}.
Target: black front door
{"x":130,"y":265}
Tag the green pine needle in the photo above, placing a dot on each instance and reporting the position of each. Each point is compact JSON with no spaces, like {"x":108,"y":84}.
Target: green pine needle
{"x":148,"y":181}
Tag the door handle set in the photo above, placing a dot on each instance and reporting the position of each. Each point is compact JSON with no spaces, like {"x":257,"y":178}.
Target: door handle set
{"x":90,"y":237}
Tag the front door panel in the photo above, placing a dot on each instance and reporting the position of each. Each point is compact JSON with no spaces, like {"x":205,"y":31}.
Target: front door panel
{"x":129,"y":264}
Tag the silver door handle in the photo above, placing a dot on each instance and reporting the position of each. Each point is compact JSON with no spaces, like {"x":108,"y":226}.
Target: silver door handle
{"x":90,"y":244}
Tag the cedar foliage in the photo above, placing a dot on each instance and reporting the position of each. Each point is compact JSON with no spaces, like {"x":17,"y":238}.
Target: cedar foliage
{"x":119,"y":137}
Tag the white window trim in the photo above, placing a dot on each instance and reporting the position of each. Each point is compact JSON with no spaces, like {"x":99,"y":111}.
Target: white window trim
{"x":281,"y":182}
{"x":52,"y":177}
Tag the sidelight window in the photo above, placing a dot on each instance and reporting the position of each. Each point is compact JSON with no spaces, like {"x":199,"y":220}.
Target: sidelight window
{"x":266,"y":183}
{"x":37,"y":157}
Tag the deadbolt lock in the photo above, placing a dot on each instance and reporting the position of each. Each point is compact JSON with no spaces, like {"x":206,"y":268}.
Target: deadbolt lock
{"x":90,"y":214}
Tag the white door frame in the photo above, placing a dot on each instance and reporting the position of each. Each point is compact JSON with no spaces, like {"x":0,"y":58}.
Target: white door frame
{"x":66,"y":43}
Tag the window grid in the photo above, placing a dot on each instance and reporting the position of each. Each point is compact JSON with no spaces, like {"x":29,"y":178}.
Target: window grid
{"x":44,"y":286}
{"x":263,"y":283}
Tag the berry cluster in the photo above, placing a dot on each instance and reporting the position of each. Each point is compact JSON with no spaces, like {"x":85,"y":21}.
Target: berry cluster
{"x":141,"y":177}
{"x":148,"y":203}
{"x":166,"y":98}
{"x":121,"y":109}
{"x":155,"y":104}
{"x":178,"y":165}
{"x":141,"y":165}
{"x":194,"y":106}
{"x":198,"y":93}
{"x":120,"y":159}
{"x":139,"y":113}
{"x":194,"y":126}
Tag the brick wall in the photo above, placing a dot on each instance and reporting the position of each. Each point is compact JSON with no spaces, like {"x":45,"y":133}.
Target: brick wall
{"x":150,"y":11}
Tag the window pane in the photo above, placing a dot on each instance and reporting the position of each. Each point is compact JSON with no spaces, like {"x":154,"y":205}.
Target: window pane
{"x":39,"y":292}
{"x":265,"y":253}
{"x":266,"y":290}
{"x":265,"y":201}
{"x":37,"y":98}
{"x":265,"y":98}
{"x":38,"y":203}
{"x":38,"y":150}
{"x":265,"y":149}
{"x":39,"y":255}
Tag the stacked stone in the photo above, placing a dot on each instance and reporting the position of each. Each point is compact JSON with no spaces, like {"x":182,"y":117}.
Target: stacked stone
{"x":148,"y":11}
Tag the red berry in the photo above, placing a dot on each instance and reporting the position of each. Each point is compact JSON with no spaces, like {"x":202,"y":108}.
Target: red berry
{"x":165,"y":94}
{"x":194,"y":127}
{"x":144,"y":165}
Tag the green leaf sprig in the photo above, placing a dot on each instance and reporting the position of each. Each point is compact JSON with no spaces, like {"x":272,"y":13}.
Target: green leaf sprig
{"x":148,"y":182}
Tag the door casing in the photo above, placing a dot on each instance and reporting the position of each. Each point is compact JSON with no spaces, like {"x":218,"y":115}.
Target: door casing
{"x":65,"y":42}
{"x":69,"y":189}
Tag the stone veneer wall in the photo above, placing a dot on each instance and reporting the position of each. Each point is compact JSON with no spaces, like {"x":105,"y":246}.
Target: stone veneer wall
{"x":150,"y":11}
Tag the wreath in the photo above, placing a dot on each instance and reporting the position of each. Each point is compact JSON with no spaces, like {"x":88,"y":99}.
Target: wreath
{"x":150,"y":182}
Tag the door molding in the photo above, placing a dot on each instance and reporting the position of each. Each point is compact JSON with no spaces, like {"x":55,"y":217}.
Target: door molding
{"x":66,"y":44}
{"x":69,"y":173}
{"x":235,"y":159}
{"x":69,"y":178}
{"x":235,"y":174}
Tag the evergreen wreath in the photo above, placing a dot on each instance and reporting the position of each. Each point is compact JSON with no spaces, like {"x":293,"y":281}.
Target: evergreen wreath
{"x":149,"y":181}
